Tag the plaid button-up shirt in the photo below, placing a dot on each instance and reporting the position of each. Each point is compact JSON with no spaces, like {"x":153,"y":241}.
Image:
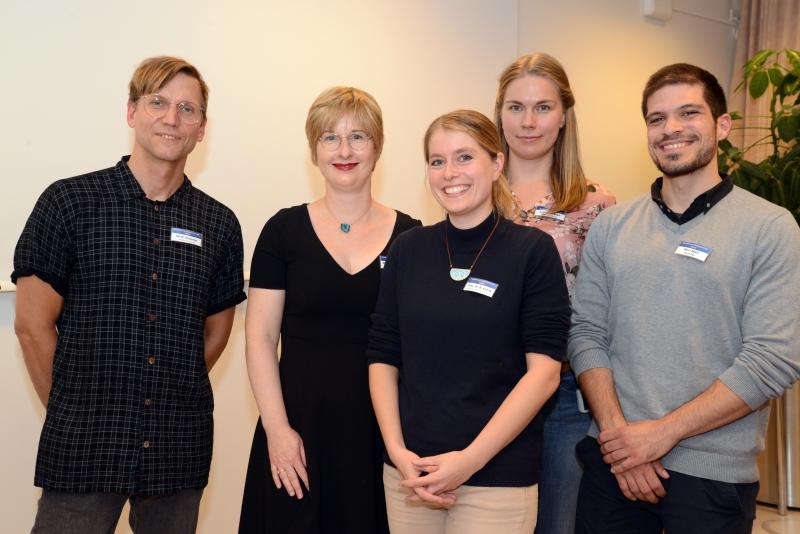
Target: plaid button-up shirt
{"x":130,"y":408}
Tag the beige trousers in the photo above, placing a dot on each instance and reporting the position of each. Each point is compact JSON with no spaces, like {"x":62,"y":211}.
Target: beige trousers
{"x":478,"y":510}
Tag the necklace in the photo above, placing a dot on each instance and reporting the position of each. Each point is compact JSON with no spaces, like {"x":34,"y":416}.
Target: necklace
{"x":345,"y":227}
{"x":461,"y":274}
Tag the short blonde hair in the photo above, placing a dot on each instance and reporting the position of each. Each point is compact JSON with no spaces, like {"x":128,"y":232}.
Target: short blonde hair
{"x":333,"y":104}
{"x":480,"y":128}
{"x":566,"y":176}
{"x":155,"y":72}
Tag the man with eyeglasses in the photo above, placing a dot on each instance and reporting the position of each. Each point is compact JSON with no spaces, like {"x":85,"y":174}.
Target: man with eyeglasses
{"x":127,"y":279}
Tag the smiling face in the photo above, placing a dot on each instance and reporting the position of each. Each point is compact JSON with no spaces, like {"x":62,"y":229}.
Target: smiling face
{"x":682,"y":134}
{"x":345,"y":167}
{"x":532,"y":117}
{"x":167,"y":139}
{"x":461,"y":174}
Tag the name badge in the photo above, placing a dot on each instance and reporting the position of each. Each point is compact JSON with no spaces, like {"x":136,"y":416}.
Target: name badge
{"x":186,"y":236}
{"x":693,"y":250}
{"x":382,"y":260}
{"x":481,"y":286}
{"x":541,"y":211}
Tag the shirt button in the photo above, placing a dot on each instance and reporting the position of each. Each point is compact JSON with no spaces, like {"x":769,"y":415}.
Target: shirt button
{"x":151,"y":360}
{"x":156,"y":241}
{"x":155,"y":207}
{"x":154,"y":276}
{"x":151,"y":317}
{"x":148,"y":402}
{"x":146,"y":444}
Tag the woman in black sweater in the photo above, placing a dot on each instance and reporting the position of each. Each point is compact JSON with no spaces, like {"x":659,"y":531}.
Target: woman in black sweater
{"x":465,"y":347}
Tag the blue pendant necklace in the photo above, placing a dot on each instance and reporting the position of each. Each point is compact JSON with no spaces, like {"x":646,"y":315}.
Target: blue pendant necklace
{"x":346,"y":227}
{"x":456,"y":273}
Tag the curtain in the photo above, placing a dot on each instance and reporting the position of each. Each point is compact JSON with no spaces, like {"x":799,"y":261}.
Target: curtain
{"x":773,"y":24}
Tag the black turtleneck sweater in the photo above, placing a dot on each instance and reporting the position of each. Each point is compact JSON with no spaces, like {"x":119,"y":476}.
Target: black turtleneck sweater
{"x":460,"y":353}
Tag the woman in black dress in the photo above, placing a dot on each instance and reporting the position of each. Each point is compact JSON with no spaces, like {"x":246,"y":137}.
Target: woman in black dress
{"x":315,"y":463}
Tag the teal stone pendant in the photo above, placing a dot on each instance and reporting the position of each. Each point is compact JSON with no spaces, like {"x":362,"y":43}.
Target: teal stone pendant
{"x":459,"y":274}
{"x":344,"y":227}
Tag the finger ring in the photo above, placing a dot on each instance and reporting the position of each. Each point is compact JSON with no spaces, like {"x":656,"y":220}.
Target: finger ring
{"x":281,"y":470}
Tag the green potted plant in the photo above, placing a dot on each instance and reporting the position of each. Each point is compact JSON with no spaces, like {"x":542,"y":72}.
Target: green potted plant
{"x":775,"y":75}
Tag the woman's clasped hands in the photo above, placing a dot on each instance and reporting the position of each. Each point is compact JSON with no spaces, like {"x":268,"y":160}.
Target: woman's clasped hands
{"x":434,"y":479}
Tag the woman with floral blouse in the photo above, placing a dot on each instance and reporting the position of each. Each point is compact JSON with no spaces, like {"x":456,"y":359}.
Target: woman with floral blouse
{"x":535,"y":114}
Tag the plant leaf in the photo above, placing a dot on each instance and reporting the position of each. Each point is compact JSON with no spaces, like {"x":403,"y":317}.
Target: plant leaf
{"x":775,"y":76}
{"x":752,"y":170}
{"x":794,"y":58}
{"x":735,"y":115}
{"x":722,"y":163}
{"x":757,"y":61}
{"x":738,"y":178}
{"x":788,"y":86}
{"x":758,"y":84}
{"x":787,"y":127}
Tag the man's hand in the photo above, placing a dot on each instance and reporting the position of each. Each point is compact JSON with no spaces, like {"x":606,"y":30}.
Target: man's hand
{"x":635,"y":444}
{"x":643,"y":483}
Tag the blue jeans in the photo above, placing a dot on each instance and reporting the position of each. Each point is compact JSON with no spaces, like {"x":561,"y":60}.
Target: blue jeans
{"x":564,"y":427}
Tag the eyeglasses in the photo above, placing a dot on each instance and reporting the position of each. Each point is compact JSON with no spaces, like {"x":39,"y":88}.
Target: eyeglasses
{"x":356,"y":139}
{"x":157,"y":106}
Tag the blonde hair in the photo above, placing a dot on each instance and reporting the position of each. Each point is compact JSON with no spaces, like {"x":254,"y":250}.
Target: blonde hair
{"x":566,"y":175}
{"x":334,"y":103}
{"x":480,"y":128}
{"x":155,"y":72}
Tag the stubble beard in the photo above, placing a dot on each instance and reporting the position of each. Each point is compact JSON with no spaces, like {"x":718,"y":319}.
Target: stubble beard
{"x":671,"y":168}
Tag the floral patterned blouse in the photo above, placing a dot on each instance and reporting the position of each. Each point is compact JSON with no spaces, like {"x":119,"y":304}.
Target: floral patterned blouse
{"x":567,"y":229}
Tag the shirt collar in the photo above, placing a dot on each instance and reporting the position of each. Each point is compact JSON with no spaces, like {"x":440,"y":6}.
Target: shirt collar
{"x":128,"y":187}
{"x":702,"y":204}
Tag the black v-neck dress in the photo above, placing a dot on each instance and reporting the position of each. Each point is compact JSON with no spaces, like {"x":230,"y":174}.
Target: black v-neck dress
{"x":324,"y":377}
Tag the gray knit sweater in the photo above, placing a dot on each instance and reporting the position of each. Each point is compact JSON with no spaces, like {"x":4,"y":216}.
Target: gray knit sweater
{"x":669,"y":325}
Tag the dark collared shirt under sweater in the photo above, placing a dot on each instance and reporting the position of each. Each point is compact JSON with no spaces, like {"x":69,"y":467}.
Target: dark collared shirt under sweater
{"x":130,"y":409}
{"x":701,"y":204}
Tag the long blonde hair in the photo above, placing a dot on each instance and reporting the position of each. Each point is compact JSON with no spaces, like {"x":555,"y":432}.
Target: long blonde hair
{"x":479,"y":127}
{"x":566,"y":175}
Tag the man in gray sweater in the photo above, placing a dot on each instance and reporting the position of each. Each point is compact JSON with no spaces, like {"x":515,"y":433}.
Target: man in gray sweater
{"x":686,"y":322}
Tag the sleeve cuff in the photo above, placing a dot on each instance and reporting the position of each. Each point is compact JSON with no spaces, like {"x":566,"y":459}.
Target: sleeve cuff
{"x":556,"y":352}
{"x":738,"y":380}
{"x":380,"y":357}
{"x":59,"y":285}
{"x":589,"y":359}
{"x":225,"y":304}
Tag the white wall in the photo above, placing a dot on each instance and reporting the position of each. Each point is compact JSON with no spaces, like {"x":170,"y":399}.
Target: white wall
{"x":65,"y":71}
{"x":609,"y":50}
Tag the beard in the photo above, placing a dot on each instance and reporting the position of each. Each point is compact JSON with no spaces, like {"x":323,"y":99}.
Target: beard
{"x":672,"y":167}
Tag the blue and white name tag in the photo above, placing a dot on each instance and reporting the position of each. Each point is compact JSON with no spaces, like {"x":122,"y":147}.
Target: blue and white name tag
{"x":541,"y":211}
{"x":481,"y":286}
{"x":186,"y":236}
{"x":693,"y":250}
{"x":382,"y":260}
